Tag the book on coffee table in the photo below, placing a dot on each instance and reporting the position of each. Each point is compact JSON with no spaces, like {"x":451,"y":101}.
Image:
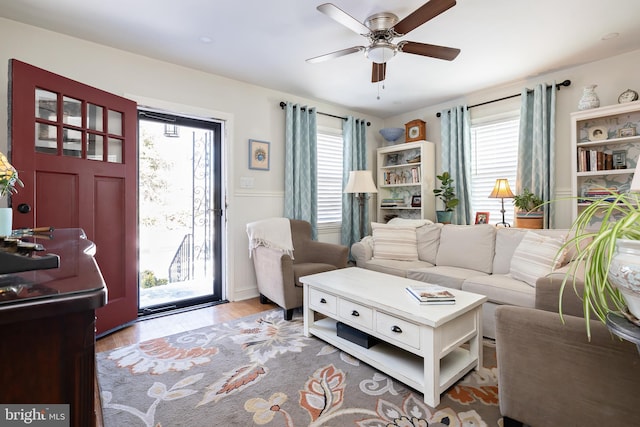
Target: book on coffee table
{"x":431,"y":294}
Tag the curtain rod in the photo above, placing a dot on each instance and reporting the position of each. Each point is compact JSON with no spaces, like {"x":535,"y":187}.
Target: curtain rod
{"x":284,"y":104}
{"x":558,"y":86}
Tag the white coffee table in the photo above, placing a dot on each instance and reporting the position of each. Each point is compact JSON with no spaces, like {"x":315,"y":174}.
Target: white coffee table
{"x":421,"y":345}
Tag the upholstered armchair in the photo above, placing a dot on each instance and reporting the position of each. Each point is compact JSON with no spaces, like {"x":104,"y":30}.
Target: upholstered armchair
{"x":278,"y":273}
{"x":550,"y":374}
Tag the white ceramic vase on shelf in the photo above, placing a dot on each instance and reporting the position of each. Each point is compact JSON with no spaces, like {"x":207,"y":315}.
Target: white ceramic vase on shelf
{"x":589,"y":98}
{"x":624,"y":273}
{"x":6,"y":221}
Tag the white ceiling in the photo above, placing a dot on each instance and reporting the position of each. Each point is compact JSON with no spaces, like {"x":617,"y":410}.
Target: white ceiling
{"x":266,"y":42}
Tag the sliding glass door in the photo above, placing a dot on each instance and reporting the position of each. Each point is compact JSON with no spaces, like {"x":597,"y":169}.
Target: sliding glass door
{"x":179,"y":211}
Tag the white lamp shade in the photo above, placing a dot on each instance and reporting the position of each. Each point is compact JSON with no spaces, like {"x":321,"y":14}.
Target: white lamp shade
{"x":381,"y":52}
{"x":501,"y":190}
{"x":635,"y":183}
{"x":360,"y":182}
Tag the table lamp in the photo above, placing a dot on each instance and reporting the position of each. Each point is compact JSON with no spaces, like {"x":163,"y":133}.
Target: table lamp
{"x":502,"y":191}
{"x":361,"y":183}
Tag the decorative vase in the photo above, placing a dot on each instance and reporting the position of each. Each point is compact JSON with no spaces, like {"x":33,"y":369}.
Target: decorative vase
{"x":589,"y":98}
{"x":444,"y":217}
{"x":391,"y":135}
{"x":624,"y":273}
{"x":6,"y":221}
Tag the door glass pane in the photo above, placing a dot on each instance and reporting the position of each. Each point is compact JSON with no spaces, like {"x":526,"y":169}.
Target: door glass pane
{"x":94,"y":117}
{"x":46,"y":105}
{"x":115,"y":150}
{"x":176,"y":214}
{"x":46,"y":138}
{"x":72,"y":143}
{"x":72,"y":111}
{"x":115,"y":123}
{"x":94,"y":146}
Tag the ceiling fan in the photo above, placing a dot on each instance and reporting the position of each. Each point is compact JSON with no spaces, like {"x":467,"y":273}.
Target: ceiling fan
{"x":382,"y":28}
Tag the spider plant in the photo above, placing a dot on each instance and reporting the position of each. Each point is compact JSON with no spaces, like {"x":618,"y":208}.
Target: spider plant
{"x":595,"y":231}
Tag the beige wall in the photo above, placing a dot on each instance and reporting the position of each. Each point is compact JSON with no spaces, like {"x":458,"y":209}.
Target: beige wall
{"x":253,"y":112}
{"x":612,"y":75}
{"x":249,"y":112}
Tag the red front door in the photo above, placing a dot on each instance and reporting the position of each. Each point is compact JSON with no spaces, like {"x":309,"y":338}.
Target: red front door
{"x":74,"y":147}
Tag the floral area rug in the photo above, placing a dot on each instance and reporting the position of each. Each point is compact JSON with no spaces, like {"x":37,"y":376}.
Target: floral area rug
{"x":262,"y":370}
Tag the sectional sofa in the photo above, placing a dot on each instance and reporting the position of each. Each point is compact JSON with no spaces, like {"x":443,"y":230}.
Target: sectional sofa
{"x":505,"y":264}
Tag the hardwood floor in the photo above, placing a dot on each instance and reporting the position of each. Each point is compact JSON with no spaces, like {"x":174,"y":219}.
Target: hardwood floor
{"x":174,"y":323}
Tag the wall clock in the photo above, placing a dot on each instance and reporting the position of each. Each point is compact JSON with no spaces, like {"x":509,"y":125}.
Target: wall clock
{"x":628,"y":96}
{"x":415,"y":130}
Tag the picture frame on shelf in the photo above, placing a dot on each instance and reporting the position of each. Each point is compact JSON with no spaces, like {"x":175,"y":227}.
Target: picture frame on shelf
{"x":259,"y":155}
{"x":619,"y":159}
{"x":597,"y":133}
{"x":482,"y":217}
{"x":416,"y":201}
{"x":626,"y":132}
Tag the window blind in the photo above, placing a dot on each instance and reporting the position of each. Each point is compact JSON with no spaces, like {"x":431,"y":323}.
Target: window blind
{"x":494,"y":155}
{"x":329,"y":176}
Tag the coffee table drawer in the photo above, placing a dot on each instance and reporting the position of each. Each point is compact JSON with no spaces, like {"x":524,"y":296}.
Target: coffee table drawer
{"x":355,"y":313}
{"x":399,"y":330}
{"x":323,"y":301}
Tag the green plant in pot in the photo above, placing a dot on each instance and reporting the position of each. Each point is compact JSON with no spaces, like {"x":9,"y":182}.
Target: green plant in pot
{"x":529,"y":212}
{"x":447,"y":194}
{"x":607,"y":242}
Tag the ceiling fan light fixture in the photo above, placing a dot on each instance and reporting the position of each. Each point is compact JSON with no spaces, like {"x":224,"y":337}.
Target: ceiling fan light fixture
{"x":381,"y":52}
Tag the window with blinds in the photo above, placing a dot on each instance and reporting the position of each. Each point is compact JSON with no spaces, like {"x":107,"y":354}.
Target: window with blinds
{"x":329,"y":176}
{"x":494,"y":154}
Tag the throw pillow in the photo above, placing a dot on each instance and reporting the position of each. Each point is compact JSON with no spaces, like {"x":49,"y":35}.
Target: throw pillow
{"x":507,"y":241}
{"x":428,"y":237}
{"x":535,"y":256}
{"x":408,"y":222}
{"x":393,"y":242}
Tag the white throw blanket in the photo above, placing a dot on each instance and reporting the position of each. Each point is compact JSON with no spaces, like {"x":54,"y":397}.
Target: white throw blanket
{"x":271,"y":233}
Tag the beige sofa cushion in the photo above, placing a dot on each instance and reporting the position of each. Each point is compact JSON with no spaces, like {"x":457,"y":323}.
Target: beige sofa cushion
{"x":394,"y":242}
{"x":502,"y":289}
{"x":451,"y":277}
{"x":428,"y":238}
{"x":465,"y":246}
{"x":397,"y":268}
{"x":535,"y":256}
{"x":507,"y":240}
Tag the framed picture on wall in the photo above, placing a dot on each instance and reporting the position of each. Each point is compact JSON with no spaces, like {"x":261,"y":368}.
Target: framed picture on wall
{"x":259,"y":155}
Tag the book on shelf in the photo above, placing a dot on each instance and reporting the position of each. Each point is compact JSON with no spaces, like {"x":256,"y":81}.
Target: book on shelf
{"x":590,"y":195}
{"x":430,"y":293}
{"x":593,"y":160}
{"x":390,"y":203}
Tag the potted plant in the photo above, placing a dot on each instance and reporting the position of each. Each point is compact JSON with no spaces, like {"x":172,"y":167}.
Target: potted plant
{"x":8,"y":181}
{"x":447,"y":194}
{"x":529,"y":212}
{"x":607,"y":242}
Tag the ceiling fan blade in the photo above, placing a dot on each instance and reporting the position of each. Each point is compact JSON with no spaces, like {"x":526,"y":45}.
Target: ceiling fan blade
{"x":342,"y":17}
{"x":424,"y":13}
{"x":378,"y":72}
{"x":432,"y":50}
{"x":336,"y":54}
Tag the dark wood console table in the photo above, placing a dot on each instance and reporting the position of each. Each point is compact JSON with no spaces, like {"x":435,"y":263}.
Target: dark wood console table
{"x":47,"y":335}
